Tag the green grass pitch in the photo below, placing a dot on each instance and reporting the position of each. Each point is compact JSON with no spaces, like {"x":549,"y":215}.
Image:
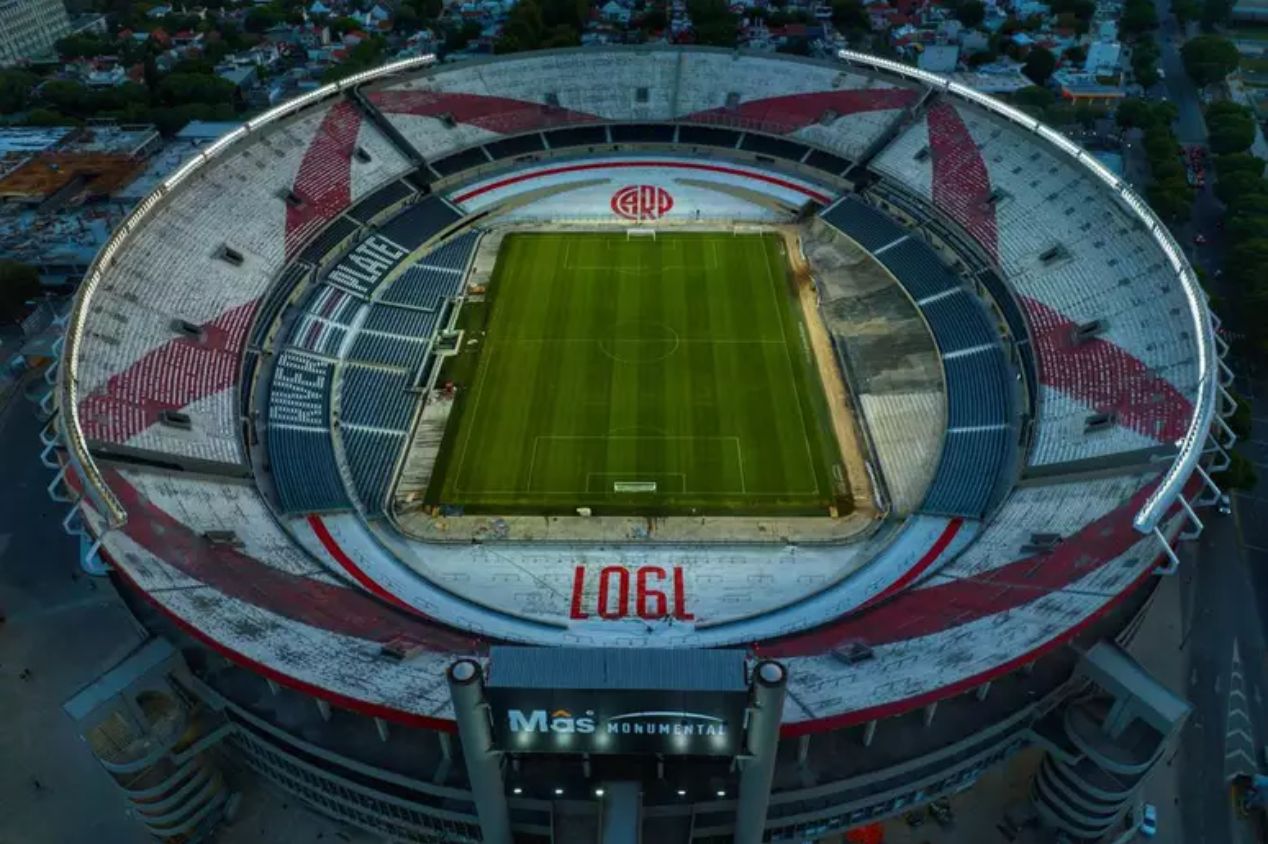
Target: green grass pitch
{"x":637,"y":375}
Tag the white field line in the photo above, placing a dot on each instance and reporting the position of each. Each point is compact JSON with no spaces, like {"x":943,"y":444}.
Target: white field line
{"x":712,"y":243}
{"x":792,"y":377}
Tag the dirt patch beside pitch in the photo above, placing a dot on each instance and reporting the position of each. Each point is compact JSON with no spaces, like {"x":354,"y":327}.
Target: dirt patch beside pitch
{"x":840,"y":405}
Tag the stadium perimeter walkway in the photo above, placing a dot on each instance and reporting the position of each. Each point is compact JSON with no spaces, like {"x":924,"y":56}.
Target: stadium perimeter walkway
{"x":66,"y":627}
{"x":979,"y":810}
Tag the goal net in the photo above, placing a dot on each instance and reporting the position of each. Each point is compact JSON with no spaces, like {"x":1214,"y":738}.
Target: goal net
{"x":630,"y":234}
{"x":633,"y":486}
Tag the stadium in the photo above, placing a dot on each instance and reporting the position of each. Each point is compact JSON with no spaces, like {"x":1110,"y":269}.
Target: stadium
{"x":833,"y":388}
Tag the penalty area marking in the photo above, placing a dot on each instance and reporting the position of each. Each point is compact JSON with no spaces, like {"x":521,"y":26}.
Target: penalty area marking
{"x":637,"y":475}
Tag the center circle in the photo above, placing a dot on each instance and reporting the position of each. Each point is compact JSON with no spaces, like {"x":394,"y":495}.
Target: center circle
{"x":640,"y":341}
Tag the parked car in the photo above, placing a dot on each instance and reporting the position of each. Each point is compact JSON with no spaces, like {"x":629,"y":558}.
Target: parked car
{"x":1149,"y":820}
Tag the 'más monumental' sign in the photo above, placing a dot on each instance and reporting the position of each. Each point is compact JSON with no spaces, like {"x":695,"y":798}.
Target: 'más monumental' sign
{"x":593,"y":700}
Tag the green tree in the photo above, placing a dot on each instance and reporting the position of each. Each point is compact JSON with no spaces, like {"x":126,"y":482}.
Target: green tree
{"x":1240,"y":473}
{"x":1040,"y":63}
{"x":1209,"y":59}
{"x":1034,"y":98}
{"x":1215,"y":12}
{"x":1145,"y":55}
{"x":458,"y":37}
{"x":340,"y":27}
{"x":83,"y":46}
{"x":18,"y":283}
{"x":407,"y":19}
{"x":570,"y":13}
{"x":713,"y":22}
{"x":1087,"y":115}
{"x":1246,"y":260}
{"x":1138,"y":16}
{"x":1231,"y":127}
{"x":1241,"y":420}
{"x":47,"y":117}
{"x":1135,"y":113}
{"x":189,"y":88}
{"x":66,"y":96}
{"x":1239,"y":174}
{"x":262,"y":18}
{"x":655,"y":19}
{"x":16,"y":87}
{"x":971,"y":13}
{"x":1171,"y":199}
{"x":365,"y":55}
{"x":1081,"y":9}
{"x":796,"y":47}
{"x":1186,"y":10}
{"x":850,"y":16}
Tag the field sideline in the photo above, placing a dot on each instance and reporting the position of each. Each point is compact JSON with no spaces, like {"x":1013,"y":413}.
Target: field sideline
{"x":664,"y":376}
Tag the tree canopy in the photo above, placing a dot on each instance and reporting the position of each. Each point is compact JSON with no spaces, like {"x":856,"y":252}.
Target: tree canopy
{"x":1034,"y":98}
{"x":1040,"y":63}
{"x":849,"y":15}
{"x":713,"y":22}
{"x":1231,"y":127}
{"x":1209,"y":58}
{"x":1143,"y":114}
{"x":971,"y":13}
{"x":1145,"y":55}
{"x":1139,"y":16}
{"x":16,"y":87}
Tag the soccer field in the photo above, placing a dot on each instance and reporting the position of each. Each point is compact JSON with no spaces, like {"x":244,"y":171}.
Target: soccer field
{"x":658,"y":376}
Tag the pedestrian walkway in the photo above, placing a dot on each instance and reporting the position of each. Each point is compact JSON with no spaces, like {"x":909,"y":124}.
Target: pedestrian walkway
{"x":1239,"y":730}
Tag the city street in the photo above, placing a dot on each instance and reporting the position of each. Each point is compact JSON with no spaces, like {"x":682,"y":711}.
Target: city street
{"x":1224,"y":582}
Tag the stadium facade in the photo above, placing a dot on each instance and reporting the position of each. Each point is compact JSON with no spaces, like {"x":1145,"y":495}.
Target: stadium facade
{"x":244,"y":423}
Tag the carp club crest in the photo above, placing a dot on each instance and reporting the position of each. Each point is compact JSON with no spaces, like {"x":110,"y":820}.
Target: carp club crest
{"x":642,"y":202}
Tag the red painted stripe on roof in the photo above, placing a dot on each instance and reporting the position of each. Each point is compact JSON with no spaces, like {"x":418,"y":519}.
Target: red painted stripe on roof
{"x":925,"y":611}
{"x":361,"y":707}
{"x":1105,"y":377}
{"x":651,"y":165}
{"x":888,"y":710}
{"x":1097,"y":373}
{"x":927,"y":559}
{"x":788,"y":113}
{"x":327,"y":606}
{"x":324,"y":179}
{"x":349,"y":565}
{"x":961,"y":183}
{"x":168,"y":377}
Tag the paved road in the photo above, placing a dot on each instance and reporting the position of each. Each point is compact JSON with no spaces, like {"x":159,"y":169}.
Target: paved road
{"x":1223,"y":650}
{"x":1190,"y":128}
{"x":1224,"y":594}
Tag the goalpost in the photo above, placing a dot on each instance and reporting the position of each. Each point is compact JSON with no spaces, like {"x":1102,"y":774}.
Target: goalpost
{"x":630,"y":234}
{"x":633,"y":486}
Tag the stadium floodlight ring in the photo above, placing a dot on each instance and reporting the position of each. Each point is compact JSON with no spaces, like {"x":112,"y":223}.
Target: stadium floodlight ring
{"x":1190,"y":446}
{"x":95,"y":486}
